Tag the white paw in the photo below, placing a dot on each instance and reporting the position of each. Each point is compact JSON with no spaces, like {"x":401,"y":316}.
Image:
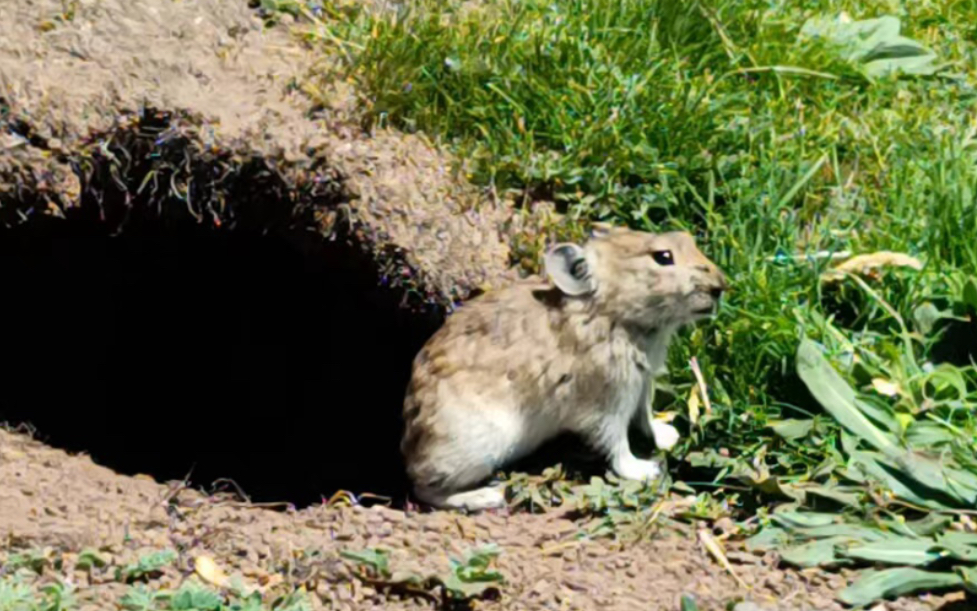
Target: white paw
{"x":631,"y":467}
{"x":666,"y":435}
{"x":489,"y":497}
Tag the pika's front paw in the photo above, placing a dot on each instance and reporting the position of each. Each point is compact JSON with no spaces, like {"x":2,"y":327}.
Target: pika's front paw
{"x":631,"y":467}
{"x":478,"y":499}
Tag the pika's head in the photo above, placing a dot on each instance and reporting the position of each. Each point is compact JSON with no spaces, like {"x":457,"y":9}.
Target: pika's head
{"x":642,"y":279}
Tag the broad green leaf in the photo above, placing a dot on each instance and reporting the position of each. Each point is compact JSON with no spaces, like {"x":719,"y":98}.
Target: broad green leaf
{"x":769,"y":537}
{"x":969,"y":575}
{"x":854,"y":532}
{"x":902,"y":485}
{"x":964,"y":553}
{"x":89,"y":559}
{"x":936,"y":476}
{"x":962,"y":546}
{"x":926,"y":317}
{"x":911,"y":552}
{"x":917,"y":61}
{"x":849,"y":443}
{"x":195,"y":598}
{"x":709,"y":459}
{"x":820,"y":552}
{"x":792,"y":429}
{"x":837,"y":397}
{"x":873,"y":45}
{"x":956,"y":537}
{"x":688,"y":603}
{"x":805,"y":518}
{"x":930,"y":525}
{"x":877,"y":585}
{"x":927,"y":526}
{"x":964,"y":483}
{"x":946,"y":376}
{"x":459,"y":588}
{"x":376,"y":559}
{"x":928,"y":434}
{"x":775,"y":487}
{"x":843,"y":495}
{"x":880,"y":416}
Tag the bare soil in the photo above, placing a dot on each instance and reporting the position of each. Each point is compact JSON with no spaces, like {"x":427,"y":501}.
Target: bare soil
{"x":74,"y":74}
{"x":68,"y":504}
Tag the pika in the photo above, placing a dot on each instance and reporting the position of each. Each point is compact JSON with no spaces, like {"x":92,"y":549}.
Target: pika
{"x":516,"y":367}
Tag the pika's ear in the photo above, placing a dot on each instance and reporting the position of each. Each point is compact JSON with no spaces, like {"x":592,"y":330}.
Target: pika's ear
{"x":567,"y":267}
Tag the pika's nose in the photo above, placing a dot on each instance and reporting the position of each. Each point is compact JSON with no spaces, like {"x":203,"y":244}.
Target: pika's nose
{"x":718,"y":282}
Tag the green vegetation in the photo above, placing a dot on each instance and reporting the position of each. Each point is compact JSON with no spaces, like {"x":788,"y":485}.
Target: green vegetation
{"x":146,"y":567}
{"x":194,"y":596}
{"x":39,"y":580}
{"x":788,"y":136}
{"x":471,"y":578}
{"x":18,"y":595}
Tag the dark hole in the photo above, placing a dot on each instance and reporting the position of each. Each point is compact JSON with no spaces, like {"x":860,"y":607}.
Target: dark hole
{"x":957,"y":344}
{"x":174,"y":348}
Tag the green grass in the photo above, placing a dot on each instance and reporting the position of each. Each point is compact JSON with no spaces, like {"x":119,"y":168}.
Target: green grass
{"x":722,"y":118}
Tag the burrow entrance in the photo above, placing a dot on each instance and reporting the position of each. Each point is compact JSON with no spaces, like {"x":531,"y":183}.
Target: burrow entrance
{"x":257,"y":351}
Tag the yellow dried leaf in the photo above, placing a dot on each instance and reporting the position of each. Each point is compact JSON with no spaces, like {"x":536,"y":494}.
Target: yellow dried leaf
{"x":701,"y":381}
{"x":868,"y":263}
{"x":885,"y":387}
{"x":905,"y":420}
{"x":208,"y":570}
{"x":341,"y":498}
{"x":716,"y":550}
{"x":693,"y":405}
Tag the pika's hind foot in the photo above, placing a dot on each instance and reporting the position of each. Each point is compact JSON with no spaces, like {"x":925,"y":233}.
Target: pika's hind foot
{"x":628,"y":466}
{"x":488,"y":497}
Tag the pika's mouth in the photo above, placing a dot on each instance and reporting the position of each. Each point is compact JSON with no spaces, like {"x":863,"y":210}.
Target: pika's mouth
{"x":707,"y":311}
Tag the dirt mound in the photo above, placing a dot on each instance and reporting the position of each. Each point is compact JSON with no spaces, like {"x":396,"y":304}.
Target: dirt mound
{"x":69,"y":504}
{"x":79,"y":82}
{"x":173,"y":124}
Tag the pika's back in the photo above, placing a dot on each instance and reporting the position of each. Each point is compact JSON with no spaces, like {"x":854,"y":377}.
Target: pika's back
{"x":488,"y":331}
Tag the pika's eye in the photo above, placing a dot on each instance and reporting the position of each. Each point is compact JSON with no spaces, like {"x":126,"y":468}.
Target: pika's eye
{"x":663,"y":257}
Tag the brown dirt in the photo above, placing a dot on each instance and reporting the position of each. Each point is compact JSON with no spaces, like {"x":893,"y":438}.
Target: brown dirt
{"x":67,"y":504}
{"x":69,"y":82}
